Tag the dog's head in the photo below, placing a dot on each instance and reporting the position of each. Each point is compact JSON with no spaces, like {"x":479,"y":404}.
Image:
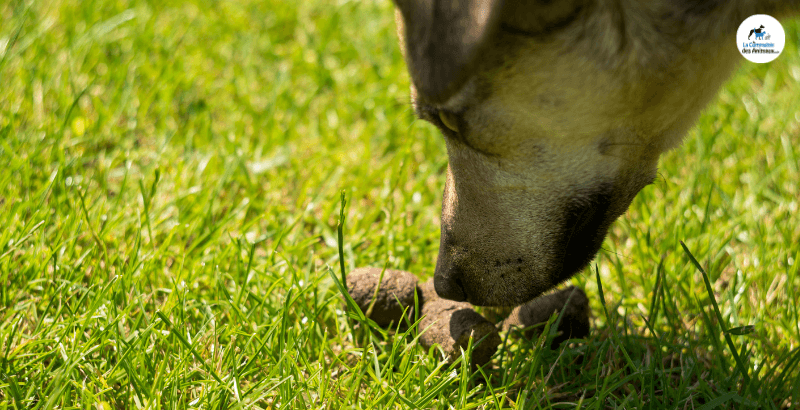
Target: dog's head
{"x":554,"y":115}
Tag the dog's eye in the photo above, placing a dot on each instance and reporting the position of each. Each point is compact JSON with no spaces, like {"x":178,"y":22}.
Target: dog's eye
{"x":449,"y":120}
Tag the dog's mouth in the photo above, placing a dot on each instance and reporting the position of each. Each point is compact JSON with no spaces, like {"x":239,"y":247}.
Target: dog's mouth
{"x":590,"y":219}
{"x":520,"y":275}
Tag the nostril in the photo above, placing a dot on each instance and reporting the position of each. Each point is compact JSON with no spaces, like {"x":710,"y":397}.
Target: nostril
{"x":449,"y":288}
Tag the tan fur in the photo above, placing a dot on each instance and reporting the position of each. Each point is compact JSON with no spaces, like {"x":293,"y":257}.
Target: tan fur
{"x":561,"y":113}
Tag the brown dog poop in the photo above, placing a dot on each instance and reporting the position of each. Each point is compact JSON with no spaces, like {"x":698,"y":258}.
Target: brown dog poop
{"x":574,"y":319}
{"x":451,"y":324}
{"x":395,"y":294}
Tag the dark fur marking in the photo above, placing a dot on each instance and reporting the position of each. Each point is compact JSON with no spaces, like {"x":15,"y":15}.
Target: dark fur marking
{"x":699,"y":8}
{"x":554,"y":26}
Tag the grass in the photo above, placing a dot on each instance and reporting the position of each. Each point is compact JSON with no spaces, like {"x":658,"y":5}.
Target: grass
{"x":169,"y":200}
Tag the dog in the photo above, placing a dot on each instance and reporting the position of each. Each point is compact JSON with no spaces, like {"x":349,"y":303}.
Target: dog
{"x":554,"y":115}
{"x":758,"y":32}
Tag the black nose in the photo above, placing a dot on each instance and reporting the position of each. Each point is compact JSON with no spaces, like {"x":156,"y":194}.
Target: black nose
{"x":449,"y":288}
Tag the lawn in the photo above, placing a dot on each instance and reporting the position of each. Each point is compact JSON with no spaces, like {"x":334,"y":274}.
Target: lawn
{"x":171,"y":176}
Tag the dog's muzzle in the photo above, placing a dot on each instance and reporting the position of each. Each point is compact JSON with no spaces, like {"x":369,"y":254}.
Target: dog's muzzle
{"x":506,"y":273}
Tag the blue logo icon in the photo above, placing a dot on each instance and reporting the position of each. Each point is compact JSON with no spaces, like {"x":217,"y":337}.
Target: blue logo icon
{"x":758,"y":44}
{"x":759,"y":32}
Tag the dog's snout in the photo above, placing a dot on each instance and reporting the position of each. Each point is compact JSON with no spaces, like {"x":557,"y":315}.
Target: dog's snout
{"x":449,"y":288}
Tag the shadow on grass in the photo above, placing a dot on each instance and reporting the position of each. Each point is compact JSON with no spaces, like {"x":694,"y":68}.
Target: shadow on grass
{"x":678,"y":365}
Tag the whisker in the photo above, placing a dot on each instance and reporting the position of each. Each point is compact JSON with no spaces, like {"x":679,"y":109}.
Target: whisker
{"x":662,"y":178}
{"x":617,"y":254}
